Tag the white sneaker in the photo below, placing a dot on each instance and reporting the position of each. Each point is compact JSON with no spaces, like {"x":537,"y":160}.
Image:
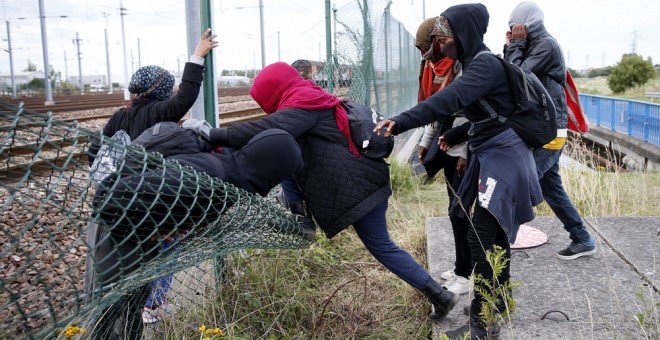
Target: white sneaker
{"x":448,"y":275}
{"x":150,"y":316}
{"x":156,"y":314}
{"x":459,"y":285}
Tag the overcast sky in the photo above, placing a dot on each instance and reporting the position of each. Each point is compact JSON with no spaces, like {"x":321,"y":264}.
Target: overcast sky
{"x":593,"y":33}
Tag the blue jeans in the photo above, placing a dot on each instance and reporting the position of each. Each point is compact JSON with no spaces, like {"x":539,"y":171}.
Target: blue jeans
{"x":160,"y":286}
{"x":547,"y":166}
{"x":372,"y":230}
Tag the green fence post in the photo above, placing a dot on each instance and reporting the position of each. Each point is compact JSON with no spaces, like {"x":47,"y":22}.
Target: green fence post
{"x":209,"y":86}
{"x":328,"y":47}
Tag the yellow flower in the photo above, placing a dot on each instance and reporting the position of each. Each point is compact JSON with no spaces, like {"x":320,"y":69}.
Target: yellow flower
{"x":203,"y":328}
{"x":215,"y":331}
{"x":207,"y":338}
{"x":71,"y":331}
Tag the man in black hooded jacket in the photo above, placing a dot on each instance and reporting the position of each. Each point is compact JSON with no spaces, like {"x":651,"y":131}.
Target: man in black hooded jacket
{"x":501,"y":176}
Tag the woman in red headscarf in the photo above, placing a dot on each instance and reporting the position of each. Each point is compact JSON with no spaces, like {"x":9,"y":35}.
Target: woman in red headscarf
{"x":336,"y":186}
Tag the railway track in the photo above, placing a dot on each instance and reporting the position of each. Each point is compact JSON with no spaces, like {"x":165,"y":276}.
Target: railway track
{"x":95,"y":101}
{"x":73,"y":149}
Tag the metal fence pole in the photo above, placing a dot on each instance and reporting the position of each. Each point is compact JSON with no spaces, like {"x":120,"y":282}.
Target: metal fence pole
{"x":209,"y":86}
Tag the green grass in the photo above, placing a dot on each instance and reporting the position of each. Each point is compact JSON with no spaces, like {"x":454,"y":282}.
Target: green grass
{"x":598,"y":86}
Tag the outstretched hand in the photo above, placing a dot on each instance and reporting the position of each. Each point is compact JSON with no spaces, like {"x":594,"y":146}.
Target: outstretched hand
{"x":388,"y":124}
{"x":206,"y":44}
{"x":442,"y":144}
{"x":201,"y":127}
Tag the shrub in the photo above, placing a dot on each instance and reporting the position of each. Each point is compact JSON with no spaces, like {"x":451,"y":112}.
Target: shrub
{"x":631,"y":71}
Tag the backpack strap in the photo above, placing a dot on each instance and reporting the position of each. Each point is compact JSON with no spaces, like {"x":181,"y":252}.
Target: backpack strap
{"x":484,"y":103}
{"x":491,"y":111}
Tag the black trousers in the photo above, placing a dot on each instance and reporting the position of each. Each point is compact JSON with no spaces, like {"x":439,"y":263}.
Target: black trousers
{"x":485,"y":233}
{"x":459,"y":225}
{"x":110,"y":261}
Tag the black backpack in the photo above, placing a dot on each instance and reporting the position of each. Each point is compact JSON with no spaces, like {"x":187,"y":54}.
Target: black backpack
{"x":534,"y":118}
{"x":168,"y":139}
{"x":362,"y":120}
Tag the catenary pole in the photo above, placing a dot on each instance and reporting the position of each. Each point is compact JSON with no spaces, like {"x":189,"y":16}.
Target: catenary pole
{"x":81,"y":84}
{"x":11,"y":62}
{"x":44,"y":43}
{"x":194,"y":30}
{"x":122,"y":13}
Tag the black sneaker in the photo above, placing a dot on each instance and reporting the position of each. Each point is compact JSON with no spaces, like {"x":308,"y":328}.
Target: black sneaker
{"x":575,"y":250}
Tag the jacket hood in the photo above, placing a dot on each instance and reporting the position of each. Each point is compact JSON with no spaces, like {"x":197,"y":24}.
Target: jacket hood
{"x":469,"y":23}
{"x":529,"y":14}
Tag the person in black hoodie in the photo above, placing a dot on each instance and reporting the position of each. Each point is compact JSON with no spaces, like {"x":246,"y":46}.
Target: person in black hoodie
{"x":501,"y":176}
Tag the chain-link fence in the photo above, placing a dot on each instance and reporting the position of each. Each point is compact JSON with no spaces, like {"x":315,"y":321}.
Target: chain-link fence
{"x":374,"y":56}
{"x":150,"y":219}
{"x":152,"y":234}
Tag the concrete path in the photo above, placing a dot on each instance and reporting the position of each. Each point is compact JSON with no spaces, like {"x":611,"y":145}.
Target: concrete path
{"x":600,"y":294}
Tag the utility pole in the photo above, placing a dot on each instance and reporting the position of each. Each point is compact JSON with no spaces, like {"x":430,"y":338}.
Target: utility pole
{"x":122,"y":13}
{"x":263,"y":44}
{"x":66,"y":68}
{"x":423,"y":10}
{"x":107,"y":53}
{"x":132,"y":62}
{"x":44,"y":42}
{"x":11,"y":62}
{"x":586,"y":67}
{"x":80,"y":76}
{"x":139,"y":55}
{"x":194,"y":29}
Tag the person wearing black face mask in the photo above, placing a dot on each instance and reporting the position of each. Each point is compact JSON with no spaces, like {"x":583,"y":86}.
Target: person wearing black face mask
{"x":500,"y":182}
{"x":437,"y":72}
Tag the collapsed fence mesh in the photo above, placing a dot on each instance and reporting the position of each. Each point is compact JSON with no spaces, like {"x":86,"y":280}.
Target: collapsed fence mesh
{"x":150,"y":219}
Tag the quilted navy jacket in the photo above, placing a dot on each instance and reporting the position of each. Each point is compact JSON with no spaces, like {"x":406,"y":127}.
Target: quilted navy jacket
{"x":339,"y":188}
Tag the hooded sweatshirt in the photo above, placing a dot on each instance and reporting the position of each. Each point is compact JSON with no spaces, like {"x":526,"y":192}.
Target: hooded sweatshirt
{"x":540,"y":53}
{"x":482,"y":77}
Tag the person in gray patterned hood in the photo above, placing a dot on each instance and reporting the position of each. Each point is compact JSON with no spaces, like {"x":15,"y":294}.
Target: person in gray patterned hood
{"x":500,"y":181}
